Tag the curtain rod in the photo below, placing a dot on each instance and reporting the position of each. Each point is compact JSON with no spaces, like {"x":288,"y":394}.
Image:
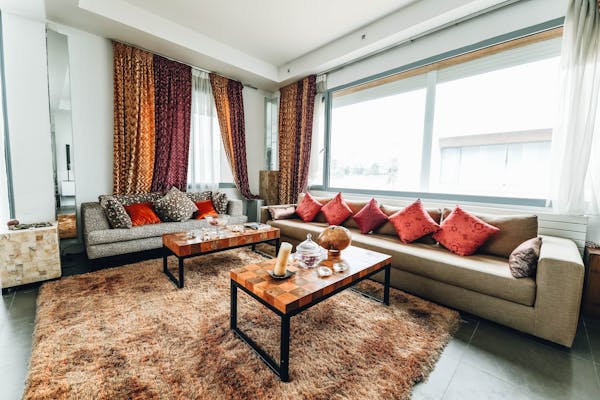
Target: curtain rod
{"x":184,"y":63}
{"x":424,"y":34}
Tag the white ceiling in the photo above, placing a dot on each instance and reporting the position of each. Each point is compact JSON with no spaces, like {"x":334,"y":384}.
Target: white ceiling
{"x":266,"y":43}
{"x":276,"y":31}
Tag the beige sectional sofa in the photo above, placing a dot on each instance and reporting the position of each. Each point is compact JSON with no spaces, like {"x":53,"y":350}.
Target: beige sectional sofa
{"x":546,"y":306}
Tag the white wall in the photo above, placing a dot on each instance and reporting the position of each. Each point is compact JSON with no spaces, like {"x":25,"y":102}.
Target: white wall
{"x":522,"y":14}
{"x":90,"y":63}
{"x":28,"y":117}
{"x":254,"y":113}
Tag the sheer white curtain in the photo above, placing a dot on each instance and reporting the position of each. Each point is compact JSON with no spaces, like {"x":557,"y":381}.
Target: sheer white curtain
{"x":317,"y":149}
{"x":204,"y":170}
{"x":575,"y":141}
{"x":4,"y":207}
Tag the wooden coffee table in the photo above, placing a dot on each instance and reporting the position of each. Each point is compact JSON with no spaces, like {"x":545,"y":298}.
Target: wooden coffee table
{"x":289,"y":297}
{"x":182,"y":246}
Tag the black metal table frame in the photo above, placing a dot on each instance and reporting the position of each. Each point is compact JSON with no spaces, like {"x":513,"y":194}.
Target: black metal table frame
{"x":281,"y":369}
{"x":180,"y":282}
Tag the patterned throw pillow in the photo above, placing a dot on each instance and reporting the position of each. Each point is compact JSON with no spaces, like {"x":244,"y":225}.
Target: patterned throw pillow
{"x":336,"y":211}
{"x":370,"y":217}
{"x":175,"y":206}
{"x":463,"y":233}
{"x":220,"y":202}
{"x":413,"y":222}
{"x":115,"y":213}
{"x":523,"y":260}
{"x":308,"y":208}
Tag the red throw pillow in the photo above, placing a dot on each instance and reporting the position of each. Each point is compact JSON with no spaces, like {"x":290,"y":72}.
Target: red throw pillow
{"x":205,"y":209}
{"x":463,"y":233}
{"x":413,"y":222}
{"x":142,"y":214}
{"x":370,"y":217}
{"x":336,"y":211}
{"x":308,"y":208}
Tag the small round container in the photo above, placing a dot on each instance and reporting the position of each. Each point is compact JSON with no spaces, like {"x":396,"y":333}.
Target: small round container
{"x":308,"y":253}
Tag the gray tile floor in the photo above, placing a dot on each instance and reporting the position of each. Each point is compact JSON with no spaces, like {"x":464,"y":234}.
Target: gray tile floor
{"x":483,"y":361}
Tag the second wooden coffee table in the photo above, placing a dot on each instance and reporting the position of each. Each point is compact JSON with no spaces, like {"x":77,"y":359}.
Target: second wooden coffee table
{"x":289,"y":297}
{"x":182,"y":246}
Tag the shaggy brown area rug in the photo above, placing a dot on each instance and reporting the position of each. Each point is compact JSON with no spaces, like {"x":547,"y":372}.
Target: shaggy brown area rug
{"x":128,"y":333}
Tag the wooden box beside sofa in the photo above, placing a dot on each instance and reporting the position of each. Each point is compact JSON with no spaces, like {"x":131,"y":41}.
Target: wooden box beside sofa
{"x":546,"y":306}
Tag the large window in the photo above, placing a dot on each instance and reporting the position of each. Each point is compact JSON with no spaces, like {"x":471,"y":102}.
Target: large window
{"x":476,"y":125}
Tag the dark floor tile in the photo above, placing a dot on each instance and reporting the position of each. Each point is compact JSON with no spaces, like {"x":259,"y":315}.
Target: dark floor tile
{"x":472,"y":383}
{"x":593,"y":331}
{"x":536,"y":366}
{"x":12,"y":382}
{"x":24,"y":304}
{"x":440,"y":377}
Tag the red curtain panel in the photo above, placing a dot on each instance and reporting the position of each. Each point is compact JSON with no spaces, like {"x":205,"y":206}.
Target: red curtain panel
{"x":173,"y":100}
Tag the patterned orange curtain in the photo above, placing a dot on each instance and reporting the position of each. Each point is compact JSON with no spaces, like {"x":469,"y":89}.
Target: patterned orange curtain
{"x":296,"y":106}
{"x":230,"y":111}
{"x":133,"y":145}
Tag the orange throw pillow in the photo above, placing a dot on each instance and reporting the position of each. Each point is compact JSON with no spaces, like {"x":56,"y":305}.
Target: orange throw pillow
{"x":413,"y":222}
{"x":463,"y":233}
{"x":142,"y":214}
{"x":205,"y":209}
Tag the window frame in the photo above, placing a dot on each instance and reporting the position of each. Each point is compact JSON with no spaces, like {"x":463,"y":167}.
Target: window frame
{"x":429,"y":66}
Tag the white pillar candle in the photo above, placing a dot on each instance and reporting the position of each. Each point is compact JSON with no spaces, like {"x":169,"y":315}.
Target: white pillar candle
{"x":282,"y":258}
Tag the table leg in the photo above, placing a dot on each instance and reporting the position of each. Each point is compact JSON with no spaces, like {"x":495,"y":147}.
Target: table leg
{"x":233,"y":307}
{"x":386,"y":285}
{"x":277,"y":243}
{"x":165,"y":255}
{"x":180,"y":272}
{"x":284,"y":349}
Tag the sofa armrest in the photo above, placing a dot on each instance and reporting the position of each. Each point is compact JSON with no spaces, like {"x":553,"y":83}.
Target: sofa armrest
{"x":235,"y":208}
{"x":559,"y":282}
{"x":264,"y":211}
{"x":92,"y":219}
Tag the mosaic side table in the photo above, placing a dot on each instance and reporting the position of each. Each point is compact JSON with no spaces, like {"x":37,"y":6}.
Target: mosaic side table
{"x":28,"y":256}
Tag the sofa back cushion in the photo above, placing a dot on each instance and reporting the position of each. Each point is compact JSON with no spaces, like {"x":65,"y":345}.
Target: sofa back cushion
{"x":514,"y":230}
{"x":389,"y":229}
{"x":129,"y":199}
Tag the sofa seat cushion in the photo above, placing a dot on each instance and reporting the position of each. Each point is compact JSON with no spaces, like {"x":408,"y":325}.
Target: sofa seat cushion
{"x":147,"y":231}
{"x":481,"y":273}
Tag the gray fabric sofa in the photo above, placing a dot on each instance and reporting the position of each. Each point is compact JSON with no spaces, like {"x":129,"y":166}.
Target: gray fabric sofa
{"x":101,"y":240}
{"x":546,"y":306}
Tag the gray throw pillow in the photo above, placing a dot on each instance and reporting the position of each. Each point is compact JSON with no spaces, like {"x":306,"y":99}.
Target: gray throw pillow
{"x":175,"y":206}
{"x":115,"y":213}
{"x":523,"y":260}
{"x":220,"y":201}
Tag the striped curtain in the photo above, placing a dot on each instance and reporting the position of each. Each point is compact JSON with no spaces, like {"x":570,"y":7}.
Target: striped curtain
{"x":230,"y":111}
{"x":296,"y":107}
{"x":133,"y":145}
{"x":173,"y":91}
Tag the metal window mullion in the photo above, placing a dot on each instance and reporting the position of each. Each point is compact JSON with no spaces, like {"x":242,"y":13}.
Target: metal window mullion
{"x":327,"y":152}
{"x":428,"y":131}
